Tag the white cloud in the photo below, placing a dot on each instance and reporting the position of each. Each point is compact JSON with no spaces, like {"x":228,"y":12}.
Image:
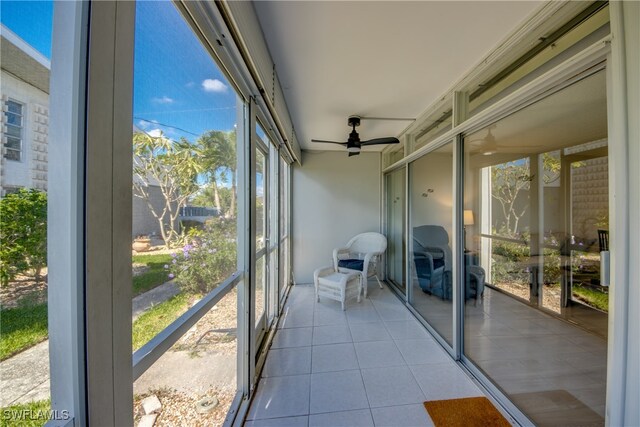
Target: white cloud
{"x":163,"y":100}
{"x":214,"y":85}
{"x":154,"y":133}
{"x":144,"y":124}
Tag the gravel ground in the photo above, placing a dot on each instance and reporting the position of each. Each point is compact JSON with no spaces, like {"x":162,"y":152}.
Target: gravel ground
{"x":550,"y":294}
{"x":216,"y":330}
{"x":179,"y":409}
{"x":25,"y":289}
{"x":212,"y":340}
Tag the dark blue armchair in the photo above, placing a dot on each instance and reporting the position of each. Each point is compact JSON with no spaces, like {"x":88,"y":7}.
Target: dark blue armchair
{"x":432,"y":260}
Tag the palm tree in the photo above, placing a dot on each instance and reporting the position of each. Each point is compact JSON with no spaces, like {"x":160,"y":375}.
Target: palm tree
{"x":172,"y":167}
{"x":220,"y":163}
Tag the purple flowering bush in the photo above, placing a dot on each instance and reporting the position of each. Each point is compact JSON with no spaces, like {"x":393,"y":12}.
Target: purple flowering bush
{"x":208,"y":258}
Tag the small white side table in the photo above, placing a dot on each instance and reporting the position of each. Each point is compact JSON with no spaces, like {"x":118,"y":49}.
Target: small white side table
{"x":337,"y":286}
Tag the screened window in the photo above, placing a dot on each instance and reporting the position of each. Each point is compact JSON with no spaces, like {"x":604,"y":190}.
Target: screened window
{"x":14,"y":130}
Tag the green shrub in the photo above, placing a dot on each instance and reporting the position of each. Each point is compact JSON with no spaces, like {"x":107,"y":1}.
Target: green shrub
{"x":508,"y":262}
{"x":552,"y":269}
{"x":23,"y":234}
{"x":511,"y":262}
{"x":208,"y":259}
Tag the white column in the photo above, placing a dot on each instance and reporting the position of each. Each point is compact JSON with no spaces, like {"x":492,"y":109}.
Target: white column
{"x":65,"y":229}
{"x":108,"y":213}
{"x":623,"y":372}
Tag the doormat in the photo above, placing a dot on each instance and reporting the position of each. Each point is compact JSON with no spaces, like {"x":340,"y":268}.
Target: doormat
{"x":467,"y":412}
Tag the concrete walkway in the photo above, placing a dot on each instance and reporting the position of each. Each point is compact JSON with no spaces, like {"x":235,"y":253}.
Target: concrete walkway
{"x":155,"y":296}
{"x":25,"y":376}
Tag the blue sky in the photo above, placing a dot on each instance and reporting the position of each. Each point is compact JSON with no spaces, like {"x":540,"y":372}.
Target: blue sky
{"x":176,"y":82}
{"x":178,"y":88}
{"x":31,"y":20}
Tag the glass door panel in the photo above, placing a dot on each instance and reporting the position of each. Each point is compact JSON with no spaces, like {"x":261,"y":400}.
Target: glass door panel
{"x":431,"y":263}
{"x":272,"y":241}
{"x":535,"y":312}
{"x":395,"y":184}
{"x":184,"y":213}
{"x":261,"y":221}
{"x":283,"y":253}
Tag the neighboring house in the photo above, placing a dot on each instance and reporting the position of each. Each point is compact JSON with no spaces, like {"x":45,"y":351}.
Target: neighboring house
{"x":25,"y":117}
{"x":145,"y":223}
{"x":143,"y":220}
{"x":25,"y":127}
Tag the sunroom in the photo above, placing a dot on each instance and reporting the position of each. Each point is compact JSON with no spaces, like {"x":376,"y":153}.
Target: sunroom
{"x":504,"y":185}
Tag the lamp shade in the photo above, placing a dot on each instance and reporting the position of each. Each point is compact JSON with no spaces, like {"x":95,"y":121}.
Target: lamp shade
{"x":468,"y":217}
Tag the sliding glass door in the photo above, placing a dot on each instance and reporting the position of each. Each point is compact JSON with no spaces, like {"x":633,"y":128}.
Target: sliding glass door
{"x":261,"y":218}
{"x":431,"y":260}
{"x":536,"y":303}
{"x":395,"y":214}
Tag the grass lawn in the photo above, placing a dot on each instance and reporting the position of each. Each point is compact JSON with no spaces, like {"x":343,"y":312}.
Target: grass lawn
{"x":26,"y":326}
{"x":155,"y":276}
{"x":32,"y":414}
{"x":157,"y":318}
{"x":594,"y":298}
{"x":21,"y":328}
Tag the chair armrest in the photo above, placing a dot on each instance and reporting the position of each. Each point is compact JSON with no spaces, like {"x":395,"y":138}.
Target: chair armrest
{"x":365,"y":263}
{"x":336,"y":256}
{"x":424,"y":255}
{"x":321,"y":272}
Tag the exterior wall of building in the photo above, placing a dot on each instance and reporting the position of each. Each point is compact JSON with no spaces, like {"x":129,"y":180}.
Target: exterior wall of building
{"x":144,"y":223}
{"x":31,"y":170}
{"x":590,"y":198}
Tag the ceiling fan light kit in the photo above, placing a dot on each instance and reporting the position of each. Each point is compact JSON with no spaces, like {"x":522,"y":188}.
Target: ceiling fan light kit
{"x":353,"y":144}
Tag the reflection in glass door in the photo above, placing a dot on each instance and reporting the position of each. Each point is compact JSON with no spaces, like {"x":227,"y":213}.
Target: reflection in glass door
{"x":395,"y":184}
{"x":431,"y":230}
{"x":536,"y":308}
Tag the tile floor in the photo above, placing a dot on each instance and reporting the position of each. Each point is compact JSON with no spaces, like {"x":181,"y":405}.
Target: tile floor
{"x":372,"y":364}
{"x":533,"y":357}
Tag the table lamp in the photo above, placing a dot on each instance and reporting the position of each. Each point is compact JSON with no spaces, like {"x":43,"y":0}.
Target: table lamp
{"x":467,"y":220}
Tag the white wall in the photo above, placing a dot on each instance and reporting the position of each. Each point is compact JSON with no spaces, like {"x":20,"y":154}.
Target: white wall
{"x":432,"y":172}
{"x":334,"y":198}
{"x":30,"y":171}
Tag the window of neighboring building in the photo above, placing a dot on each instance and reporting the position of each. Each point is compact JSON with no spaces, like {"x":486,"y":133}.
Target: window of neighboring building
{"x":10,"y":190}
{"x":14,"y":126}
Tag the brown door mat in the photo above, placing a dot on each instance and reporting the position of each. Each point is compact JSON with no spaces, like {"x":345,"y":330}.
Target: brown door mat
{"x":467,"y":412}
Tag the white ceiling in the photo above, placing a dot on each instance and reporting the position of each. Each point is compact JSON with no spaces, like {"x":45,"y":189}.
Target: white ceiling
{"x":376,"y":58}
{"x":570,"y":117}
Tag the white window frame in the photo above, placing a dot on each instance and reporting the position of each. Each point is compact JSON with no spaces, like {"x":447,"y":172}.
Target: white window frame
{"x":21,"y":127}
{"x":90,"y":205}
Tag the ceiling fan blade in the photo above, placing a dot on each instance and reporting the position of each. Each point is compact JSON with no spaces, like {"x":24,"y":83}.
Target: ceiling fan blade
{"x":351,"y":153}
{"x":328,"y":142}
{"x":379,"y":141}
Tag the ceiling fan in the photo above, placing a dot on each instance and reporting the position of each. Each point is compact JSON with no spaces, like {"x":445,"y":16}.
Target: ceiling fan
{"x":489,"y":145}
{"x":354,"y":144}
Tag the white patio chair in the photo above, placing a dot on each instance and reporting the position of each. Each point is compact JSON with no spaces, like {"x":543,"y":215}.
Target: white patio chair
{"x":361,"y":254}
